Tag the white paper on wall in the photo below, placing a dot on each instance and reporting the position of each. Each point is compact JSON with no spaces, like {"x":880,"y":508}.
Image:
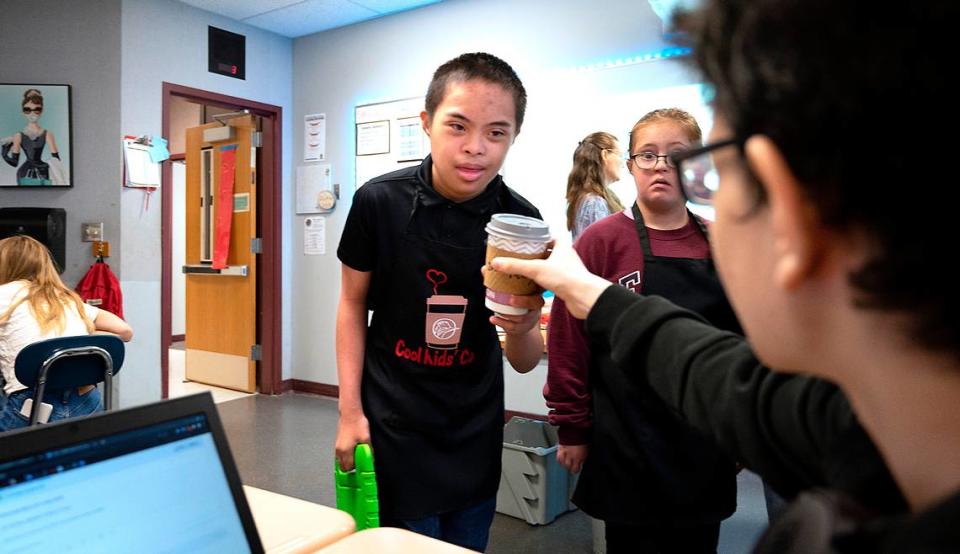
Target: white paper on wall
{"x":314,"y":236}
{"x":311,"y":180}
{"x":315,"y":137}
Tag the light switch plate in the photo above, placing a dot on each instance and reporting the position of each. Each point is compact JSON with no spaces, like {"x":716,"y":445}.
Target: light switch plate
{"x":91,"y":232}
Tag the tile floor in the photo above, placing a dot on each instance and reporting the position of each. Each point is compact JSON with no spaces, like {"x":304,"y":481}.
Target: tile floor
{"x":285,"y":444}
{"x":179,"y":386}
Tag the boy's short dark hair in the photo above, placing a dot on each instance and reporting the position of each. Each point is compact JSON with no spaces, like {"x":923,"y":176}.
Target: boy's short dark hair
{"x":478,"y":65}
{"x":856,"y":95}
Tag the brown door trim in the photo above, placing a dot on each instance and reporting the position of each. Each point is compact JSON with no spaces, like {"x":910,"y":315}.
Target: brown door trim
{"x":270,"y":203}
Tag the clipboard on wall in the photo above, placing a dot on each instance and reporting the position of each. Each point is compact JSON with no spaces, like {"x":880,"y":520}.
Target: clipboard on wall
{"x":139,"y":169}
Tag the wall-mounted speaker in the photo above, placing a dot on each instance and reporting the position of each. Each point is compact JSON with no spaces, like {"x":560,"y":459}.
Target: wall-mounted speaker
{"x":227,"y":53}
{"x":47,"y":225}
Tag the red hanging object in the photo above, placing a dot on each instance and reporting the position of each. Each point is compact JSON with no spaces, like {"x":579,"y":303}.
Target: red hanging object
{"x":100,"y":288}
{"x":228,"y":166}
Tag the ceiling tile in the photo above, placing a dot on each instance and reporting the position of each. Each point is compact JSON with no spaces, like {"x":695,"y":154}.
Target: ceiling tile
{"x":391,"y":6}
{"x":240,"y":9}
{"x":312,"y":16}
{"x":295,"y":18}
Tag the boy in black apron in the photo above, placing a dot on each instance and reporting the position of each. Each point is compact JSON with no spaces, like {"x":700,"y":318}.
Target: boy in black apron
{"x":424,"y":382}
{"x":658,"y":485}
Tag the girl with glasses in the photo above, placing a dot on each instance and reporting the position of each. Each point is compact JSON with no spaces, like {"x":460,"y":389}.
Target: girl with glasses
{"x":658,"y":485}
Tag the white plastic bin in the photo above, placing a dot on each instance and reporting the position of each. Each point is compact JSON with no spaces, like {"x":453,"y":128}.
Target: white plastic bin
{"x":533,"y":485}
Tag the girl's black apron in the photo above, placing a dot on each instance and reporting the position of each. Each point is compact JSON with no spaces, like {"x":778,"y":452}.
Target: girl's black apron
{"x":433,"y":380}
{"x":645,"y":464}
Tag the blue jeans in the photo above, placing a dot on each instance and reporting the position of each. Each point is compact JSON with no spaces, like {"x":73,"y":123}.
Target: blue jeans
{"x":469,"y":527}
{"x":65,"y":405}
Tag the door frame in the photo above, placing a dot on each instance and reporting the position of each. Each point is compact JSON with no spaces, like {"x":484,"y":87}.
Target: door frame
{"x":270,"y":202}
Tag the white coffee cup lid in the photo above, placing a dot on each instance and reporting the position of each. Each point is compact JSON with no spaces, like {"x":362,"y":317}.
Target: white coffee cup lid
{"x":518,"y":226}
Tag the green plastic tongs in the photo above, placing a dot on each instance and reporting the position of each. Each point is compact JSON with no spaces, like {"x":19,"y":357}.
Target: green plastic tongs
{"x":357,"y":489}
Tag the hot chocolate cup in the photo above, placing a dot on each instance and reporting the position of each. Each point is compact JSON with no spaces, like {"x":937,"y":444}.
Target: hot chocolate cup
{"x":512,"y":236}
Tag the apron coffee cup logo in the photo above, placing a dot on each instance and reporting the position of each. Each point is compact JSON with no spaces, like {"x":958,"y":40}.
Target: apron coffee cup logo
{"x":444,"y":328}
{"x":513,"y":236}
{"x":445,"y":315}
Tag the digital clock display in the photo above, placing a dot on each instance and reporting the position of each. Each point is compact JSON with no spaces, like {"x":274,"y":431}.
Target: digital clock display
{"x":227,"y":53}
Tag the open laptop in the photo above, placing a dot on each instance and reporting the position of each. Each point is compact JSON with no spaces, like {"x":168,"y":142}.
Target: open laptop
{"x":155,"y":478}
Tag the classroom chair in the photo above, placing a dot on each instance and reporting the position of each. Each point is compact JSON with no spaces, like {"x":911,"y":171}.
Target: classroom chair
{"x":69,"y":362}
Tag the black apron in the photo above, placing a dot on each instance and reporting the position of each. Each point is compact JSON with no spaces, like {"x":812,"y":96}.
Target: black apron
{"x":433,"y":376}
{"x":645,"y":465}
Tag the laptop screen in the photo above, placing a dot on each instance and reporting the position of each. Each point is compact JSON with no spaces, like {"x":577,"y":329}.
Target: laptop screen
{"x":159,"y":487}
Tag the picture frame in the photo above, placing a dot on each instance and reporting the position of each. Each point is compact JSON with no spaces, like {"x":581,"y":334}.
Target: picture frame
{"x":36,"y":122}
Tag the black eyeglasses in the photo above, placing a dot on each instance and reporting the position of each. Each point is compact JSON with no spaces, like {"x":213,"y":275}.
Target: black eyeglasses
{"x":648,"y":160}
{"x":698,"y":177}
{"x":34,"y":110}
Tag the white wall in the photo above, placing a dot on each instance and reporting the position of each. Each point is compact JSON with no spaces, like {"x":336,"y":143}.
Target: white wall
{"x":77,"y":44}
{"x":394,"y":57}
{"x":167,"y":41}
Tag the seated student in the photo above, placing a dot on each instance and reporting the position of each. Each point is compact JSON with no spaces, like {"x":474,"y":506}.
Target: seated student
{"x":35,"y":305}
{"x":830,"y":240}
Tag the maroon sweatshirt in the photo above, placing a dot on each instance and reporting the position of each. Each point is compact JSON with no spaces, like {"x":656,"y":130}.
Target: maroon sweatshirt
{"x":611,"y":249}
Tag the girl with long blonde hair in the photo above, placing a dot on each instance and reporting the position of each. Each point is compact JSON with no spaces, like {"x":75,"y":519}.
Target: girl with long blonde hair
{"x":25,"y":259}
{"x":35,"y":305}
{"x":596,"y":163}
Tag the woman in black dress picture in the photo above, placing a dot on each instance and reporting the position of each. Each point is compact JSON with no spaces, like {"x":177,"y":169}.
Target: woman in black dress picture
{"x":31,"y":141}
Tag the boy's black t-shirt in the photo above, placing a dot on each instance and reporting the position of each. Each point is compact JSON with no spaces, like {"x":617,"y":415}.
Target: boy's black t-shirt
{"x":382,"y":208}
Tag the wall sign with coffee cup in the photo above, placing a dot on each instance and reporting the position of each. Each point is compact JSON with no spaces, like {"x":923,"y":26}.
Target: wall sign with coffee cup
{"x":512,"y":236}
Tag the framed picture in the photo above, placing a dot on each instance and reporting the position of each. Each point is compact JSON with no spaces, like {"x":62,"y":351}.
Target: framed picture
{"x":36,"y":138}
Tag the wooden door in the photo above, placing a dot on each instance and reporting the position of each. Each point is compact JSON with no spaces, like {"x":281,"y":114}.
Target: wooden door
{"x":221,"y":304}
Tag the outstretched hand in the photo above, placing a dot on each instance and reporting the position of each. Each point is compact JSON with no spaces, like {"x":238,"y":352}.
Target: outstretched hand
{"x":564,"y":274}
